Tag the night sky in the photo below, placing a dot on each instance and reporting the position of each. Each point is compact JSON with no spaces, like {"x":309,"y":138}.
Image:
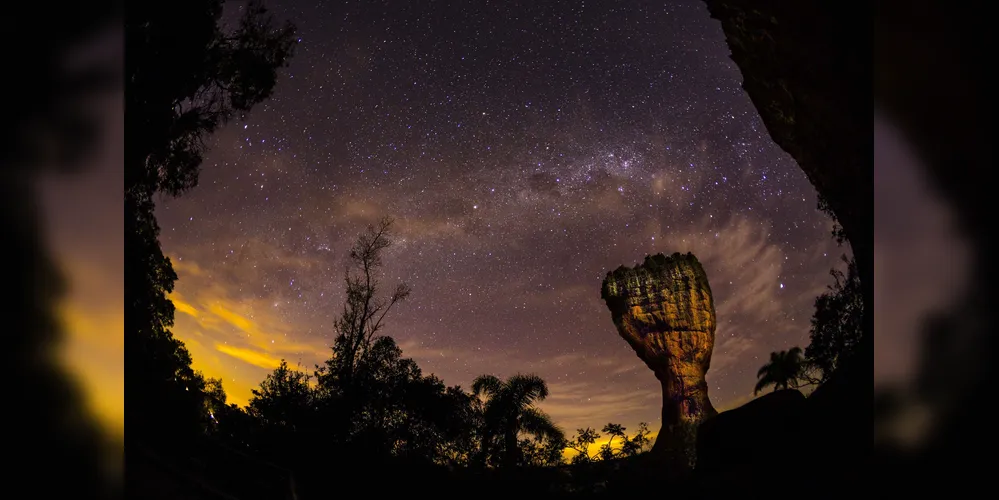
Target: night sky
{"x":524,"y":150}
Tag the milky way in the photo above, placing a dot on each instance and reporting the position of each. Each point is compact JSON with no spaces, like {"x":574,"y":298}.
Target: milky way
{"x":524,"y":151}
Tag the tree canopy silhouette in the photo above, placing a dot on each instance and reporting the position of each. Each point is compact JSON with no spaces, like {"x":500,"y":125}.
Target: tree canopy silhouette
{"x":365,"y":369}
{"x":185,"y":76}
{"x":510,"y":410}
{"x":367,"y":401}
{"x":629,"y":446}
{"x":581,"y":442}
{"x":784,"y":370}
{"x":283,"y":397}
{"x":364,"y":310}
{"x":625,"y":447}
{"x":837,"y":323}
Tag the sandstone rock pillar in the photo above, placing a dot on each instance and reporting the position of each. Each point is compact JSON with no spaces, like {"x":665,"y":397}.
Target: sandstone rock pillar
{"x":663,"y":308}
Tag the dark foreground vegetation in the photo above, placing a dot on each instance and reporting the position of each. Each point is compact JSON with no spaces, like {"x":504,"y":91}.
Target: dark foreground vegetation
{"x":368,"y":420}
{"x":367,"y":408}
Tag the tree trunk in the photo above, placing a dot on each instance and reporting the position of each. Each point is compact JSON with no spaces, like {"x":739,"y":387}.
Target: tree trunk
{"x":483,"y":456}
{"x":512,"y":450}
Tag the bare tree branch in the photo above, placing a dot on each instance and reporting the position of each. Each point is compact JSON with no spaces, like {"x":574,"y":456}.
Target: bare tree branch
{"x":364,"y":311}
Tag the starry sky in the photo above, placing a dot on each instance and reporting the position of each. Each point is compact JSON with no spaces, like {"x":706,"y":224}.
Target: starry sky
{"x":524,"y":149}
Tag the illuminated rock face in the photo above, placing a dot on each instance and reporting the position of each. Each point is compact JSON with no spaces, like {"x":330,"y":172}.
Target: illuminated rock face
{"x":664,"y":309}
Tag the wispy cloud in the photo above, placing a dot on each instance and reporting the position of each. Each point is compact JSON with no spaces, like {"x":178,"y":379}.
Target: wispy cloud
{"x":250,"y":333}
{"x":250,"y":356}
{"x":728,"y":349}
{"x":581,"y":404}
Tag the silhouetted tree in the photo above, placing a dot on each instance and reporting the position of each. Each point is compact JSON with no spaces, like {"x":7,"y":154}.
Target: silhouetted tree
{"x":185,"y":76}
{"x":215,"y":399}
{"x":613,"y":430}
{"x":837,"y":230}
{"x":581,"y":443}
{"x":283,"y":397}
{"x":436,"y":423}
{"x":364,"y":310}
{"x":638,"y":443}
{"x":783,"y":371}
{"x":368,"y":400}
{"x":235,"y":427}
{"x":543,"y":451}
{"x":837,"y":323}
{"x":510,"y":410}
{"x":282,"y":406}
{"x":393,"y":410}
{"x":358,"y":382}
{"x":163,"y":393}
{"x":227,"y":422}
{"x":625,"y":447}
{"x":629,"y":446}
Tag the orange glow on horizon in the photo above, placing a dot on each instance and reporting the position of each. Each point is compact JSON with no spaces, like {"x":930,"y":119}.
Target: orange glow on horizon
{"x":237,"y":340}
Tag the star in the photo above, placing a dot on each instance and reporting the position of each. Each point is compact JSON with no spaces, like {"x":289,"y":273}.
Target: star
{"x":594,"y":151}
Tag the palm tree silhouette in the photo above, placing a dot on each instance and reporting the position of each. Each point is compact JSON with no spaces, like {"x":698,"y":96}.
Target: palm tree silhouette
{"x":785,"y":368}
{"x":509,"y":410}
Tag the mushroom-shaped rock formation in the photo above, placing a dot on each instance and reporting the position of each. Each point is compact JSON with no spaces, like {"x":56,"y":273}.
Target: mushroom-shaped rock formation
{"x":664,"y":309}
